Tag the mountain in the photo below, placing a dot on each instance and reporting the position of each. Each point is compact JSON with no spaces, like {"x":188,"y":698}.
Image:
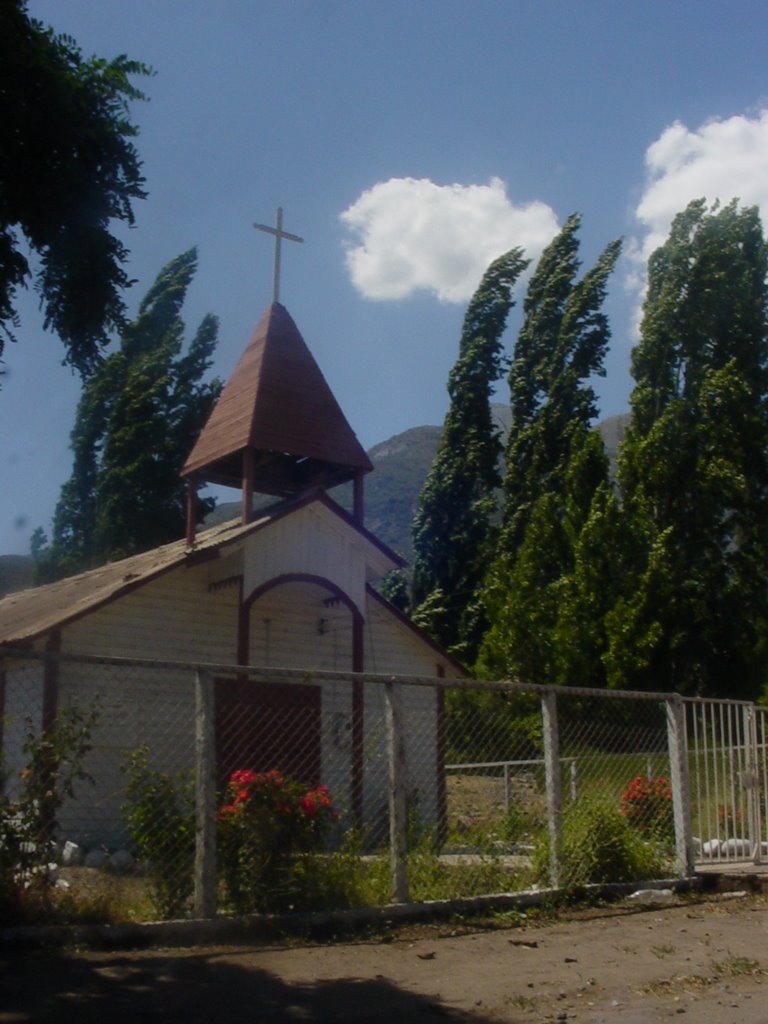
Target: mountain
{"x":15,"y":573}
{"x":402,"y":463}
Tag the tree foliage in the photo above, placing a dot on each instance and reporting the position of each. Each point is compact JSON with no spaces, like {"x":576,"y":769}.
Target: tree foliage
{"x":694,"y":467}
{"x":138,"y":417}
{"x":561,"y":345}
{"x":452,"y":528}
{"x":68,"y":168}
{"x":555,"y":463}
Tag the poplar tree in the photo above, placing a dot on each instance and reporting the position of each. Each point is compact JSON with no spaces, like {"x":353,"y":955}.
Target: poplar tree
{"x":560,"y":347}
{"x":453,"y":527}
{"x":694,"y":465}
{"x":68,"y":169}
{"x":137,"y":419}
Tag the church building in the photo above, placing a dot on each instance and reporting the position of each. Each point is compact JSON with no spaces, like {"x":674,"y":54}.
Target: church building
{"x":288,"y":585}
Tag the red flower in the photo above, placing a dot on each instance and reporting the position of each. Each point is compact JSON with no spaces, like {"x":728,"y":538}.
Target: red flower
{"x":308,"y":805}
{"x":243,"y":778}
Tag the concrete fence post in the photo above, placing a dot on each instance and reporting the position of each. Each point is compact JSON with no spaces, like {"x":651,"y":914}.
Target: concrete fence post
{"x":205,"y":797}
{"x":681,"y":790}
{"x":552,"y":774}
{"x":398,"y":811}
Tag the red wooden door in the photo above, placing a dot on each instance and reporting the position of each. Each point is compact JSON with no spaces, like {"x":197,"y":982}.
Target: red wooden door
{"x":266,"y":726}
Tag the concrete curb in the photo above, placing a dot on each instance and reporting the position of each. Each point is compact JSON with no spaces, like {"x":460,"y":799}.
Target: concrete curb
{"x":258,"y":928}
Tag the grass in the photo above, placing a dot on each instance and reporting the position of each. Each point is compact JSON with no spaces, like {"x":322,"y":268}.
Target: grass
{"x":109,"y":901}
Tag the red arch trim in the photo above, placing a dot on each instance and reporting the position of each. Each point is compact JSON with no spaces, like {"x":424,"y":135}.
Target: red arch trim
{"x":303,"y":577}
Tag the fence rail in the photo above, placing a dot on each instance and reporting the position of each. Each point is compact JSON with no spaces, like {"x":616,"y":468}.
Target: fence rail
{"x":218,"y":788}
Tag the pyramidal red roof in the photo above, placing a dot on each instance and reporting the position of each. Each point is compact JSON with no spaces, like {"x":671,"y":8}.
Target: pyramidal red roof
{"x":278,"y":404}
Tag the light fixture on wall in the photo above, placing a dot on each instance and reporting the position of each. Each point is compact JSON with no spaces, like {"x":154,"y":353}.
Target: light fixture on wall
{"x":322,"y":626}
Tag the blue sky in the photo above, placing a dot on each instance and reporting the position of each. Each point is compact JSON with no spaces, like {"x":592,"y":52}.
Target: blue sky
{"x":409,"y":144}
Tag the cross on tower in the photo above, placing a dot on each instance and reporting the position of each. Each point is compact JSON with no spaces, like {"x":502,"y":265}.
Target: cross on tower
{"x":279,"y":234}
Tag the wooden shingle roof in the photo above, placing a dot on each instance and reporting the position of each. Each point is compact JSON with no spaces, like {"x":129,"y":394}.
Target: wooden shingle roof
{"x":278,"y":404}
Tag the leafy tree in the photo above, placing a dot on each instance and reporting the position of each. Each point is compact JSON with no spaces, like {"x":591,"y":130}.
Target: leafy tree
{"x":138,"y":417}
{"x":394,"y":588}
{"x":694,"y":465}
{"x":539,"y":633}
{"x":68,"y":167}
{"x":561,"y":345}
{"x":555,"y":464}
{"x":452,"y":527}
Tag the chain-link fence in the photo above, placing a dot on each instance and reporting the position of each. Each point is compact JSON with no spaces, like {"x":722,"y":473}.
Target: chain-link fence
{"x":202,"y":789}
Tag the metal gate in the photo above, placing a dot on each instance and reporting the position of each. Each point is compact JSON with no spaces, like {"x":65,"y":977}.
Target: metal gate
{"x":726,"y":743}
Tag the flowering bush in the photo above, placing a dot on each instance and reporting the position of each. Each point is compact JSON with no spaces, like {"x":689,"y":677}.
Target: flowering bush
{"x":265,"y":823}
{"x":647,"y":804}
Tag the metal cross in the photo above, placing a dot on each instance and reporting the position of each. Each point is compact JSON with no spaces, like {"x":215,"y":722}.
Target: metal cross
{"x":279,"y":234}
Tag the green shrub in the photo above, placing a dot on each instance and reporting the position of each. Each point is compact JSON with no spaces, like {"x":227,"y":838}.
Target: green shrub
{"x":160,"y":814}
{"x":599,"y":844}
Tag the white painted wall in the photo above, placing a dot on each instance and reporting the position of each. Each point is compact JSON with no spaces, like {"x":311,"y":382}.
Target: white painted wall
{"x":174,"y":617}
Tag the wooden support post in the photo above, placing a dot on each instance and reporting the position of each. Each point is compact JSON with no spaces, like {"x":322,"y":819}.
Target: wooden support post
{"x":398,"y":811}
{"x":205,"y":797}
{"x":552,"y":772}
{"x":191,"y":510}
{"x":246,"y":502}
{"x":680,"y":781}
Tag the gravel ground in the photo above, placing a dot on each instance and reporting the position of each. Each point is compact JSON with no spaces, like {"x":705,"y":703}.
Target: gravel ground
{"x":705,"y":958}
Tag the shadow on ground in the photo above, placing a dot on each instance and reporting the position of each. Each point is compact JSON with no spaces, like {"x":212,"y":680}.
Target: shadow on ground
{"x":122,"y":987}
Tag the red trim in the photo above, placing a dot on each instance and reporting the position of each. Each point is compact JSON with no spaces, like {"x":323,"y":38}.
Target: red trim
{"x":51,"y":682}
{"x":303,"y":577}
{"x":420,"y":633}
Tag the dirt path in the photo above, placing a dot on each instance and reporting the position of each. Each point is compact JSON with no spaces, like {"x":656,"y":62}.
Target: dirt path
{"x":707,"y":960}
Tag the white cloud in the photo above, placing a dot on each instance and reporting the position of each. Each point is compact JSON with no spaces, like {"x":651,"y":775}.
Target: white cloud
{"x":412,"y":234}
{"x":721,"y":160}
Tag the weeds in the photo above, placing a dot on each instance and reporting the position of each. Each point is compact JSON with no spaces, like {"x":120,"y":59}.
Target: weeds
{"x":598,"y":844}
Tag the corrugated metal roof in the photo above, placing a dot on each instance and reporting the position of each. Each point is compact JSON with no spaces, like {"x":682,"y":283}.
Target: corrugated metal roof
{"x":28,"y":614}
{"x":278,"y":403}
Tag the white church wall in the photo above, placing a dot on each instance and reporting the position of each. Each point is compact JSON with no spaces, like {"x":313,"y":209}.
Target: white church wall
{"x":174,"y":618}
{"x":309,"y":542}
{"x":22,"y":707}
{"x":136,"y":708}
{"x":301,"y":625}
{"x":392,"y":647}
